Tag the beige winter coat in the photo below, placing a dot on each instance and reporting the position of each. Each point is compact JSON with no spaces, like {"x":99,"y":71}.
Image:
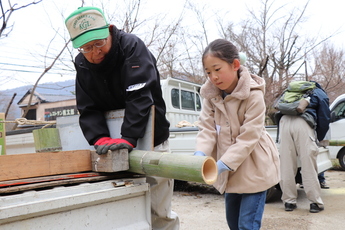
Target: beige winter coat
{"x":232,"y":130}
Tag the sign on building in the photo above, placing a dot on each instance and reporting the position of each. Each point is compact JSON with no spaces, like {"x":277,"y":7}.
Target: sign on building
{"x":52,"y":113}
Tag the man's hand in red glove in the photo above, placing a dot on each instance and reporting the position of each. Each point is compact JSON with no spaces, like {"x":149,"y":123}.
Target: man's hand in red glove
{"x":106,"y":143}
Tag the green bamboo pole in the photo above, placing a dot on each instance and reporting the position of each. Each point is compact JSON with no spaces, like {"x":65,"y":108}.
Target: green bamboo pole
{"x":201,"y":169}
{"x":337,"y":142}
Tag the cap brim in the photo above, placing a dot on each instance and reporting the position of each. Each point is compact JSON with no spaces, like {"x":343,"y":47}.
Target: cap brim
{"x":90,"y":36}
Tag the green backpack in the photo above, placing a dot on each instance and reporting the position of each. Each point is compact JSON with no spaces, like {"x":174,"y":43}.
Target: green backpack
{"x":290,"y":99}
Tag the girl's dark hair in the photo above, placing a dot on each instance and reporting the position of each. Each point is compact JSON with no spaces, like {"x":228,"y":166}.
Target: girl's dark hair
{"x":222,"y":49}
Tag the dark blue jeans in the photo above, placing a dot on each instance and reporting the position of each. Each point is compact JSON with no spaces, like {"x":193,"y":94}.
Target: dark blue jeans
{"x":321,"y":177}
{"x":244,"y":211}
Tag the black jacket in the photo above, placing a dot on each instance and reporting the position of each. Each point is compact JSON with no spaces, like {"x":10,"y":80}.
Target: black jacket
{"x":319,"y":109}
{"x":126,"y":79}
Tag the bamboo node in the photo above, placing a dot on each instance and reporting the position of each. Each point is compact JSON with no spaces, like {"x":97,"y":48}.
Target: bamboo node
{"x":141,"y":163}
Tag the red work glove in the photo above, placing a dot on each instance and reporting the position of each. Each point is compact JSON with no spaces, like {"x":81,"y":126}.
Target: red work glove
{"x":106,"y":143}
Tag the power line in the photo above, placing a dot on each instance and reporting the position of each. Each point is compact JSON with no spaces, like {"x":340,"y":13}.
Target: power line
{"x":65,"y":71}
{"x":30,"y":66}
{"x":27,"y":71}
{"x":20,"y":65}
{"x":30,"y":71}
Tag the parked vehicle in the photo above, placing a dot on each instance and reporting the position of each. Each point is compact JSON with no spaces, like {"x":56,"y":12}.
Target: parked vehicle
{"x":336,"y":130}
{"x":182,"y":99}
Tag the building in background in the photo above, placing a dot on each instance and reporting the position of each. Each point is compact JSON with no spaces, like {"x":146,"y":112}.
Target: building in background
{"x":49,"y":101}
{"x":47,"y":107}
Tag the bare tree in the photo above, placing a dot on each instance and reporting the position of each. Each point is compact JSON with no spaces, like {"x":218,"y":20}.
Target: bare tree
{"x":192,"y":42}
{"x":5,"y":29}
{"x":48,"y":68}
{"x":276,"y":51}
{"x":159,"y":32}
{"x":329,"y":69}
{"x":50,"y":54}
{"x":162,"y":39}
{"x":7,"y":13}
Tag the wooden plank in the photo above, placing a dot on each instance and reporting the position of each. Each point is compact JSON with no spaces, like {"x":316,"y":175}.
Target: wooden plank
{"x":48,"y":178}
{"x":29,"y":165}
{"x":51,"y":181}
{"x":51,"y":184}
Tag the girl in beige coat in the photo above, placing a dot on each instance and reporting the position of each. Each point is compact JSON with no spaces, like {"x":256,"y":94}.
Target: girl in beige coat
{"x":232,"y":131}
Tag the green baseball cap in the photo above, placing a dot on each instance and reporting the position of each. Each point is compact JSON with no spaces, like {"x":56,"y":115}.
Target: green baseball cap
{"x":87,"y":24}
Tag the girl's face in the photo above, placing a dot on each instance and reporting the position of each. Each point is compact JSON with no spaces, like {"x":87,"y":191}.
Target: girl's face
{"x":222,"y":74}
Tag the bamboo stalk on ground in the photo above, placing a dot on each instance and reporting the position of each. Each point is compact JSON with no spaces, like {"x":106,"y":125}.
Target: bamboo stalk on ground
{"x":176,"y":166}
{"x":336,"y":142}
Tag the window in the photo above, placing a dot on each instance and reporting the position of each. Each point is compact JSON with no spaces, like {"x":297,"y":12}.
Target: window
{"x":339,"y":111}
{"x":175,"y":98}
{"x":187,"y":100}
{"x":31,"y":115}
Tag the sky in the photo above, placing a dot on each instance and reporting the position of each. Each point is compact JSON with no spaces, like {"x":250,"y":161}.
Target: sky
{"x":34,"y":34}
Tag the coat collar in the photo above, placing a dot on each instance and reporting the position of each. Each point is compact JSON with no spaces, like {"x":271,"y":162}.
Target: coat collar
{"x":246,"y":83}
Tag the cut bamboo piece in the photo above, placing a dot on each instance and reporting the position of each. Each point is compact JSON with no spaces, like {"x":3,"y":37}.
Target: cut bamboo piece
{"x":201,"y":169}
{"x":47,"y":140}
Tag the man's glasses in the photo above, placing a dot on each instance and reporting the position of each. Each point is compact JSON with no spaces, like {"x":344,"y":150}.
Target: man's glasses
{"x":89,"y":48}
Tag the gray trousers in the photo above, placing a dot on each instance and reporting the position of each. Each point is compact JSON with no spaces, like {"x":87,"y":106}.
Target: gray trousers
{"x":161,"y":189}
{"x":297,"y":141}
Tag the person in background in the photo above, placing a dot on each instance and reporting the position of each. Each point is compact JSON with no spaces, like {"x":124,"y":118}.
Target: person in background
{"x":232,"y":131}
{"x":322,"y":181}
{"x":300,"y":139}
{"x":115,"y":70}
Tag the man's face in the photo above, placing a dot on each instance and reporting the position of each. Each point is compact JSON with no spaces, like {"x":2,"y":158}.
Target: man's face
{"x":97,"y":53}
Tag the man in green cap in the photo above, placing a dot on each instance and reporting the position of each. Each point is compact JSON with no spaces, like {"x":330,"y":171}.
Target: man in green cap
{"x":115,"y":70}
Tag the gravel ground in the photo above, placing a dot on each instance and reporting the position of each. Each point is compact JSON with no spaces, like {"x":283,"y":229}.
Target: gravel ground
{"x":200,"y":207}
